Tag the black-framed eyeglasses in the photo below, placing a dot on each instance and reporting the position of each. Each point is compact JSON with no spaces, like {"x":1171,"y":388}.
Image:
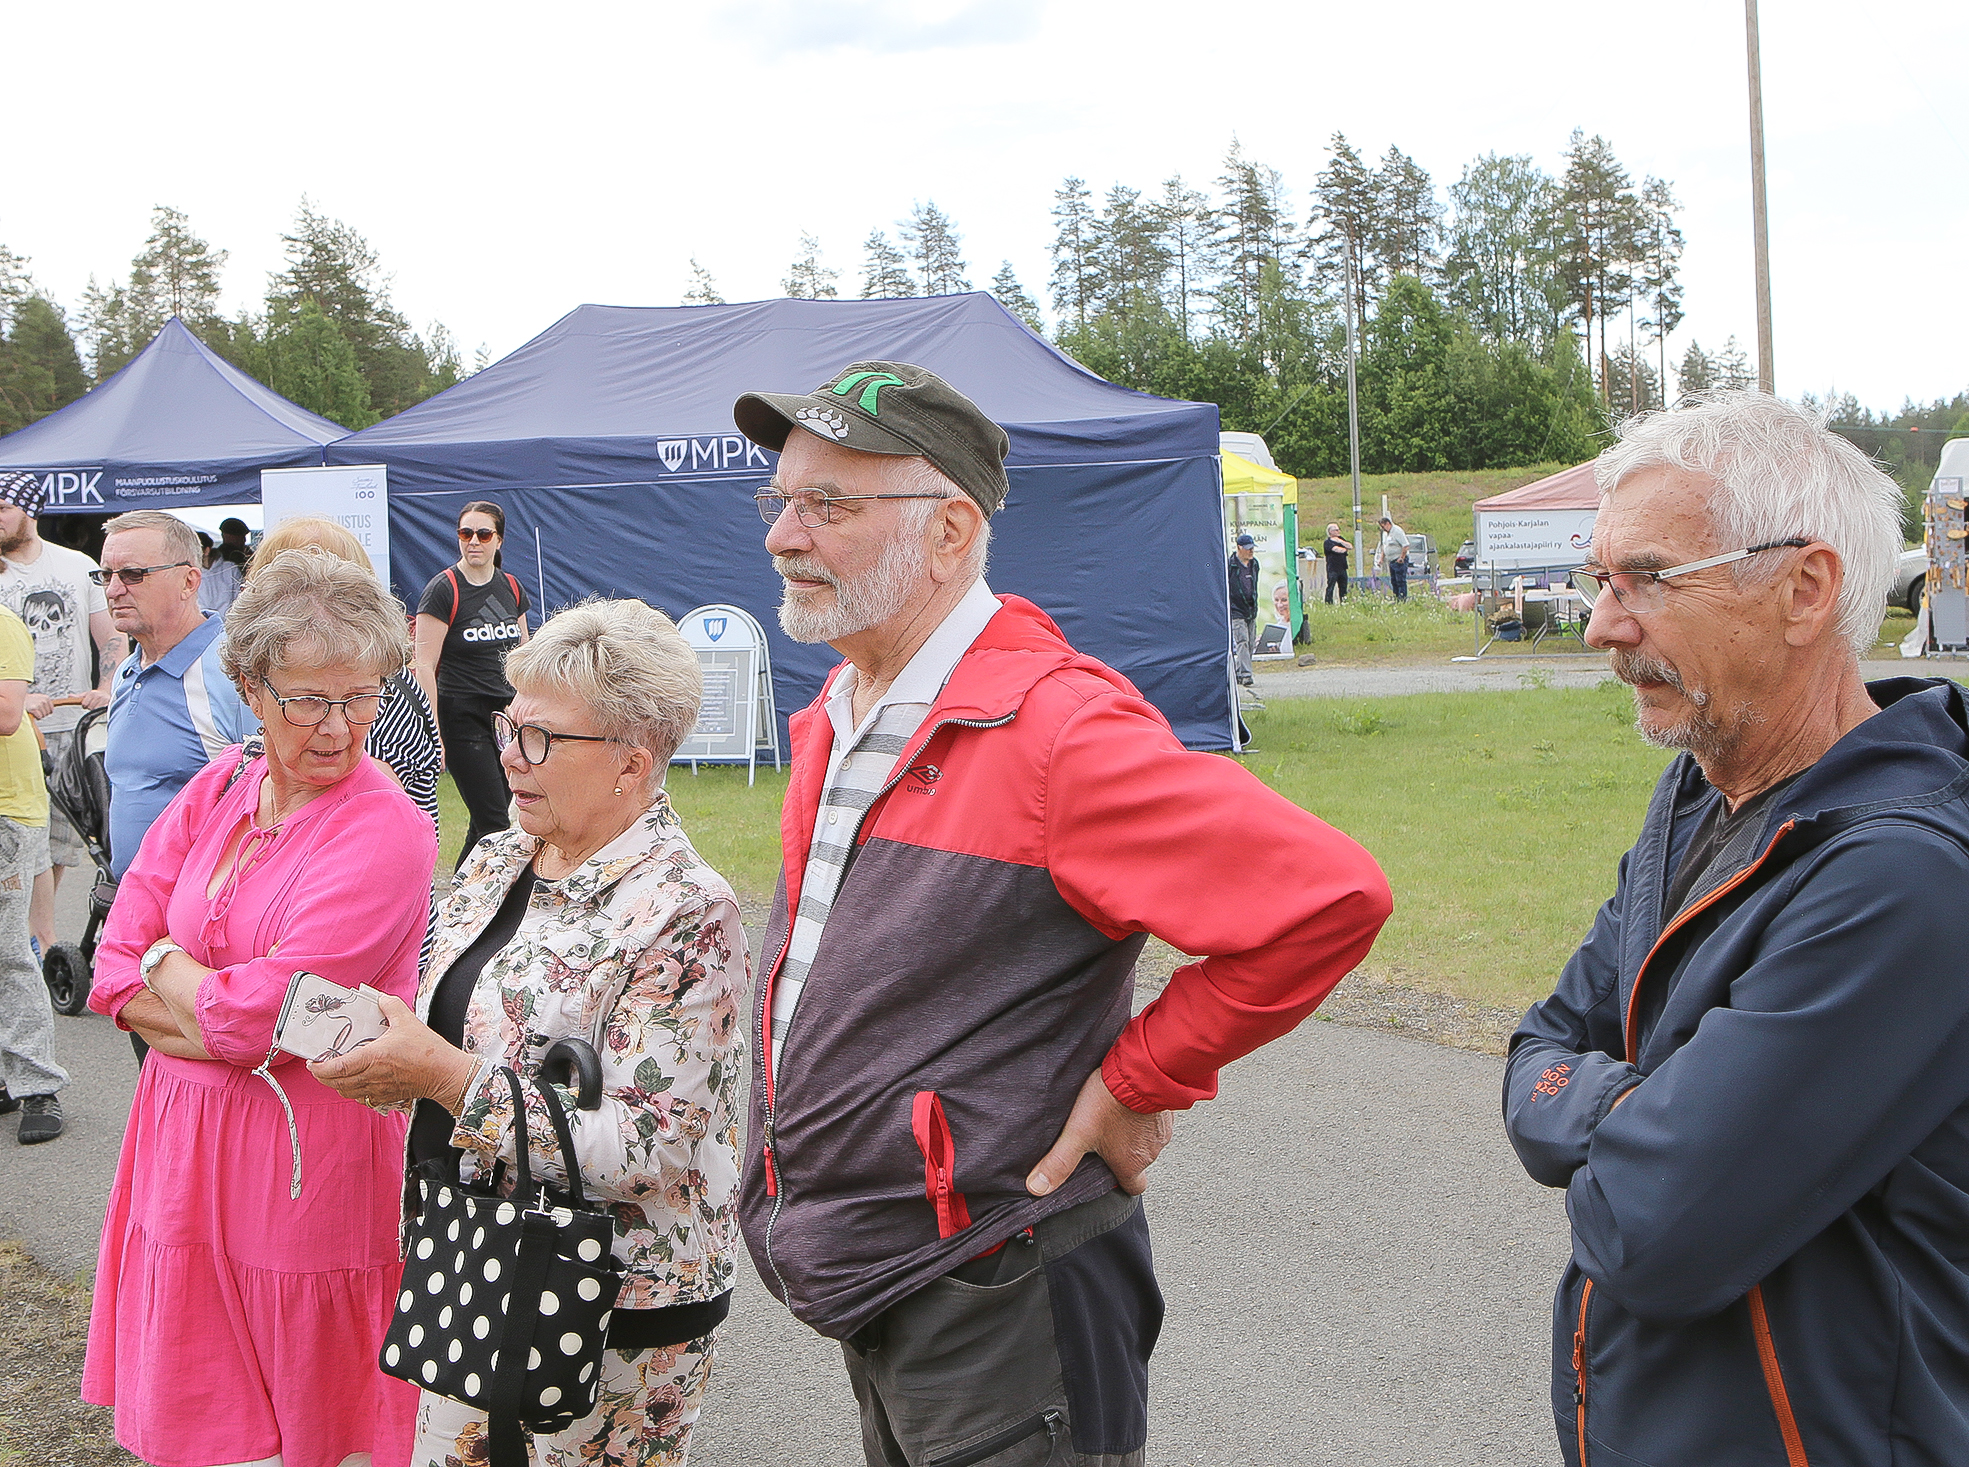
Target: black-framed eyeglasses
{"x":1641,"y":591}
{"x":484,"y":537}
{"x":308,"y":709}
{"x":132,"y":575}
{"x":535,"y":742}
{"x":815,"y":507}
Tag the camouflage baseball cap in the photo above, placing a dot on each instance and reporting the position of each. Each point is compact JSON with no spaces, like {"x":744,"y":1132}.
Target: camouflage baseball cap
{"x":894,"y":408}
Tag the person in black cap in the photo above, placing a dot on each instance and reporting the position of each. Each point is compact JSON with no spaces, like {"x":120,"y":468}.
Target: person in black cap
{"x":1243,"y":567}
{"x":952,"y":1113}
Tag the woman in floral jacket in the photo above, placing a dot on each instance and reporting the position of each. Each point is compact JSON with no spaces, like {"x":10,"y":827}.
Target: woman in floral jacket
{"x":595,"y":919}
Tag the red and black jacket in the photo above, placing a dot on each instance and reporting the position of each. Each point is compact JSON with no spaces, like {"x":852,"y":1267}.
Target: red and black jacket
{"x":977,"y":964}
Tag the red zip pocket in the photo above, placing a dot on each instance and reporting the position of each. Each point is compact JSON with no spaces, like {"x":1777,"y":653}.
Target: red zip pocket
{"x":932,"y":1130}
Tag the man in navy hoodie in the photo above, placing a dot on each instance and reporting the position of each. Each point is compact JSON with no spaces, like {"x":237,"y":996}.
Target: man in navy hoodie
{"x":1753,"y":1078}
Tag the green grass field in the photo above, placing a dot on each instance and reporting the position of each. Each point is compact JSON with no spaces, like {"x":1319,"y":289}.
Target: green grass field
{"x":1498,"y":817}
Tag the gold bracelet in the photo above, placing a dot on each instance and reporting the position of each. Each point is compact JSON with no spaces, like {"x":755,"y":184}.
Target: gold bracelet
{"x":455,"y":1104}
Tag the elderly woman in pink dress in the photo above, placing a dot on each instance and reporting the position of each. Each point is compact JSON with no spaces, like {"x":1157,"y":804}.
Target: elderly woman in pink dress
{"x":249,"y":1255}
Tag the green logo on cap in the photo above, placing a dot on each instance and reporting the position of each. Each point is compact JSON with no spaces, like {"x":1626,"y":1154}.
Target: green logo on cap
{"x":873,"y":382}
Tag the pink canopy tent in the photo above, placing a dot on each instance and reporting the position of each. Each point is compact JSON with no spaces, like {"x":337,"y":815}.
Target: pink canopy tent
{"x":1546,"y":525}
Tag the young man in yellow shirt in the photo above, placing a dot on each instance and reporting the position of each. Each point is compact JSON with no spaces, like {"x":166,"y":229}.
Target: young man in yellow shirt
{"x":29,"y":1076}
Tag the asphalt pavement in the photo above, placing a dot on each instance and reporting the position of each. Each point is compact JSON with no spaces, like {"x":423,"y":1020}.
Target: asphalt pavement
{"x":1500,"y":673}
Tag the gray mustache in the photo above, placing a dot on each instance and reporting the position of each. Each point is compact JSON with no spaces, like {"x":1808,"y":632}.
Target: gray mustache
{"x":1632,"y":668}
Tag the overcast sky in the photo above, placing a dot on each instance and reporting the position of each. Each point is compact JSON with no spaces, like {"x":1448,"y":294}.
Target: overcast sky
{"x":510,"y":162}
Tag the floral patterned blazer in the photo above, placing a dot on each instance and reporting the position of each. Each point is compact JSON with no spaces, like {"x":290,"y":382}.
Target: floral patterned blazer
{"x":641,"y":952}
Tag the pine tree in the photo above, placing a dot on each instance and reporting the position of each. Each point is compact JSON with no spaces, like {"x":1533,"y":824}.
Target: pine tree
{"x":1732,"y":367}
{"x":1014,"y":298}
{"x":1599,"y":218}
{"x":1076,"y":280}
{"x":40,"y":370}
{"x":703,"y":289}
{"x":1408,"y":219}
{"x":806,"y":278}
{"x":1251,"y":233}
{"x":933,"y":243}
{"x":1657,"y":278}
{"x":884,"y":272}
{"x":1183,"y":215}
{"x":16,"y":285}
{"x":1134,"y":259}
{"x":1697,"y":372}
{"x":1346,"y":201}
{"x":177,"y":274}
{"x":1633,"y":381}
{"x":330,"y":263}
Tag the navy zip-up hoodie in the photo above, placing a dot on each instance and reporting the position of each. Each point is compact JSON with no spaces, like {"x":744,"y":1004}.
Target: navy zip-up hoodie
{"x":1771,"y":1233}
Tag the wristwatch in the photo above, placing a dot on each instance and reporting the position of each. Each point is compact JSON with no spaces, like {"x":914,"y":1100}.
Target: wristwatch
{"x":157,"y":952}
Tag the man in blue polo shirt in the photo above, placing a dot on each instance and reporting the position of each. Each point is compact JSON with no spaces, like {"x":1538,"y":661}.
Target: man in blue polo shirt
{"x":172,"y":708}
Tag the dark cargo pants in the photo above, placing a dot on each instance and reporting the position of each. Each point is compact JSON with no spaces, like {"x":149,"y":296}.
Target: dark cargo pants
{"x":1036,"y":1356}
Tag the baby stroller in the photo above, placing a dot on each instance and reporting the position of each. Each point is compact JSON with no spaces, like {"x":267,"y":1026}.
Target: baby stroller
{"x":78,"y":786}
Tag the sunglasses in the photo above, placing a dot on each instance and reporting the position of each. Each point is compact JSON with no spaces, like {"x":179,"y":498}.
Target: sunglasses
{"x":484,"y":537}
{"x":133,"y":575}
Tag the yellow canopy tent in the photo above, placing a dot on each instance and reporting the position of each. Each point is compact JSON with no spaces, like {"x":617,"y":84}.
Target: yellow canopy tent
{"x":1242,"y":476}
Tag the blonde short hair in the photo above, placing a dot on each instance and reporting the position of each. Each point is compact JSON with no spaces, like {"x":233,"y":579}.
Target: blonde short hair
{"x":626,"y":661}
{"x":309,"y":532}
{"x":306,"y":607}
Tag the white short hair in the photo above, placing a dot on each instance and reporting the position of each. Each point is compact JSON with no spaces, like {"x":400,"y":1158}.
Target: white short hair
{"x":920,"y":476}
{"x":1780,"y":472}
{"x":627,"y":662}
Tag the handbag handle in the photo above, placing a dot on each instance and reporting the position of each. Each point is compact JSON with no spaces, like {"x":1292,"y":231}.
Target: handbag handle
{"x":521,"y":1142}
{"x":574,"y":1063}
{"x":565,"y":1140}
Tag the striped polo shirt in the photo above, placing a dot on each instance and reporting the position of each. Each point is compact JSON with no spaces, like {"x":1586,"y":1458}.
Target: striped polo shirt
{"x":858,"y":770}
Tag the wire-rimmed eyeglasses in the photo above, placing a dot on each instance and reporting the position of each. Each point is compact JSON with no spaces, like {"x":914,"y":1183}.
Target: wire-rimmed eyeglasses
{"x":815,"y":507}
{"x":309,"y":709}
{"x":535,"y":742}
{"x":1640,"y":591}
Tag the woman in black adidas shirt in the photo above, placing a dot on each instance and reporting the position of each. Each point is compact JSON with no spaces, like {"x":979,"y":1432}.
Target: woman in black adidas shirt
{"x":471,"y":615}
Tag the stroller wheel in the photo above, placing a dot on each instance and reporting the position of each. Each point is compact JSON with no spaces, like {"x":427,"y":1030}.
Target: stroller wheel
{"x":66,"y":973}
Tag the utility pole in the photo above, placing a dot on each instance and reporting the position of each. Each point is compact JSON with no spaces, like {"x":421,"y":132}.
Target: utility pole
{"x":1354,"y":416}
{"x":1760,"y":227}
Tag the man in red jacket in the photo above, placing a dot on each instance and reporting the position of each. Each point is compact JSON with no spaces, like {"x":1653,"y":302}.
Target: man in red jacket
{"x":953,"y":1114}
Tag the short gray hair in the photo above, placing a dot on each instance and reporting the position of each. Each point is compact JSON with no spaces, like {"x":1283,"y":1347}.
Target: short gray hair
{"x":1780,"y":472}
{"x":920,"y":476}
{"x":627,"y":662}
{"x":307,"y":606}
{"x":180,"y":538}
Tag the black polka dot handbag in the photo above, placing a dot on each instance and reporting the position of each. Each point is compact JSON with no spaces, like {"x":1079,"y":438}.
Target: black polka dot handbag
{"x":505,"y":1300}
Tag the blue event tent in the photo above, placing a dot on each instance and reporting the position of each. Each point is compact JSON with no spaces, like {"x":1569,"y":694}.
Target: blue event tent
{"x":608,"y":441}
{"x":176,"y":428}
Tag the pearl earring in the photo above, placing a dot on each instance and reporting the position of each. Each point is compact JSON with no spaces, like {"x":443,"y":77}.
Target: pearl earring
{"x":618,"y":789}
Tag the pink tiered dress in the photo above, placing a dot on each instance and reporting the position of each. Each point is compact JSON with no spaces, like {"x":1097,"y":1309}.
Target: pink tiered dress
{"x":234,"y":1323}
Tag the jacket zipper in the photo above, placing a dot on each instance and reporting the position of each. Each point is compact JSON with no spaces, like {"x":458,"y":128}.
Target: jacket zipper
{"x":933,"y":1139}
{"x":1681,"y":920}
{"x":1579,"y":1370}
{"x":1767,"y":1356}
{"x":1050,"y":1422}
{"x":768,"y":1146}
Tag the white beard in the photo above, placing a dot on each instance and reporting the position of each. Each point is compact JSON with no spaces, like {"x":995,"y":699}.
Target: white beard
{"x":868,"y":600}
